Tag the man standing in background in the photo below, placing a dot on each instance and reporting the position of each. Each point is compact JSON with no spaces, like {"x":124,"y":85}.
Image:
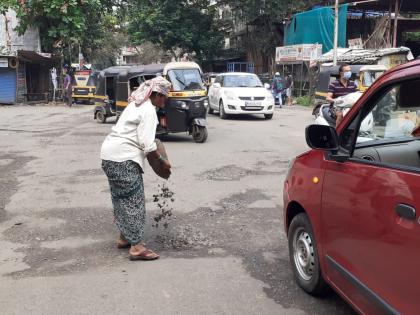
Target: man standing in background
{"x":277,"y":87}
{"x":68,"y":86}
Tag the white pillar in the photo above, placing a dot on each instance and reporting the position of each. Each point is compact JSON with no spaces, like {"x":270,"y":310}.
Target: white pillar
{"x":335,"y":33}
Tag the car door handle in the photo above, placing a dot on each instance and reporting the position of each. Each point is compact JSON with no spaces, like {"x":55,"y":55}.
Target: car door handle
{"x":406,"y":211}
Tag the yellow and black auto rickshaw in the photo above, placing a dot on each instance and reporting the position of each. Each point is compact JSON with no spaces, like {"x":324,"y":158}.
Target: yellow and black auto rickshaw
{"x":84,"y":87}
{"x":186,"y":106}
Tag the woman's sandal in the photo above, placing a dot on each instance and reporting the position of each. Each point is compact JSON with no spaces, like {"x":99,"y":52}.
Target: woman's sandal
{"x":147,"y":254}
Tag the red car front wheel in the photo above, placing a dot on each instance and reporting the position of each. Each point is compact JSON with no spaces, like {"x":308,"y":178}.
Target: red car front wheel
{"x":304,"y":256}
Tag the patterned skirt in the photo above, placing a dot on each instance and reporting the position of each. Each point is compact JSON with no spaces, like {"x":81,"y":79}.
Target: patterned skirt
{"x":127,"y":193}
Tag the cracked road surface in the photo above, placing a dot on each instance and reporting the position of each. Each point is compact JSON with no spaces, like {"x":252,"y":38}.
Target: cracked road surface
{"x":223,"y":251}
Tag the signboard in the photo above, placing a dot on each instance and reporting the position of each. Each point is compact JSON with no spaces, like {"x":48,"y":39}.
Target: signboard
{"x":356,"y":43}
{"x":303,"y":52}
{"x":4,"y":62}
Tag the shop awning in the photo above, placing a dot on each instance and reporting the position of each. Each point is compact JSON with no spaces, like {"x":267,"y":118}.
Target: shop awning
{"x":34,"y":57}
{"x":383,"y":5}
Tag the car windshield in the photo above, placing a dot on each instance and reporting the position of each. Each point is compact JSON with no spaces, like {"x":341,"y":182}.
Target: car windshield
{"x":241,"y":81}
{"x":91,"y":80}
{"x":394,"y":118}
{"x":370,"y":77}
{"x":186,"y":79}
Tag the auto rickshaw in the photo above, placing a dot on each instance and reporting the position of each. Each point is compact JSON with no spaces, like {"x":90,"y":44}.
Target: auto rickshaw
{"x":186,"y":106}
{"x":368,"y":74}
{"x":84,"y":88}
{"x":105,"y":95}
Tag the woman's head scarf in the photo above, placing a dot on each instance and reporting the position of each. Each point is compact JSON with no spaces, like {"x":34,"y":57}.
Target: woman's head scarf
{"x":142,"y":94}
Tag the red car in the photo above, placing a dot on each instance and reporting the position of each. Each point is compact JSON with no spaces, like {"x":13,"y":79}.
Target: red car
{"x":350,"y":204}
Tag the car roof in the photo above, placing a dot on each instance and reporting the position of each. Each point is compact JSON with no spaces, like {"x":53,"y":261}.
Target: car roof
{"x":237,"y":73}
{"x":182,"y":65}
{"x":374,"y":68}
{"x":413,"y":63}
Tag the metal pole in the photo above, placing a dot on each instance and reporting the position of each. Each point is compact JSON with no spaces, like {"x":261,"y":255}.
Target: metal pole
{"x":396,"y":12}
{"x":69,"y":53}
{"x":302,"y":84}
{"x":79,"y":57}
{"x":388,"y":31}
{"x":335,"y":33}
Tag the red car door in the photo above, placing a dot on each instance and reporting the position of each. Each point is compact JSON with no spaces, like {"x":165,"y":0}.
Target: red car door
{"x":370,"y":218}
{"x":372,"y":252}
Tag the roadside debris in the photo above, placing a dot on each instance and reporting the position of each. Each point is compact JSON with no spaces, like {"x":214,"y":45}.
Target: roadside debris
{"x":164,"y":200}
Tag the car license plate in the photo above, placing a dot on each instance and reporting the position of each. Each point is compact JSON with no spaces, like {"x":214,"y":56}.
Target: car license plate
{"x":252,"y":104}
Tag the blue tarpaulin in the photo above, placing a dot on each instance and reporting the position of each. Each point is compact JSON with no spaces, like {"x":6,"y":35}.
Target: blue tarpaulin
{"x":317,"y":27}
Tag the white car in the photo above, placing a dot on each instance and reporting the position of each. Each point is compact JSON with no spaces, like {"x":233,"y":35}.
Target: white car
{"x":240,"y":93}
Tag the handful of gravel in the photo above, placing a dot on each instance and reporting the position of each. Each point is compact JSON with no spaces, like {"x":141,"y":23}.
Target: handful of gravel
{"x":164,"y":200}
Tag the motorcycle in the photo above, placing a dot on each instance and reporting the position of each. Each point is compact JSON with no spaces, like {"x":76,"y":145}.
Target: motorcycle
{"x":325,"y":115}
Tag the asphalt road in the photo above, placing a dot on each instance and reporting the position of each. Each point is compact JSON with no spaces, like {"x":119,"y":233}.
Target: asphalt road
{"x":223,"y":250}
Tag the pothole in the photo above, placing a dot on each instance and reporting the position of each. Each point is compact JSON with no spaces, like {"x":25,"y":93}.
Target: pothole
{"x":234,"y":173}
{"x":184,"y":237}
{"x":10,"y":163}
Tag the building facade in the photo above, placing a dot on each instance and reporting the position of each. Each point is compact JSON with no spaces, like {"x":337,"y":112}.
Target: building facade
{"x":24,"y":70}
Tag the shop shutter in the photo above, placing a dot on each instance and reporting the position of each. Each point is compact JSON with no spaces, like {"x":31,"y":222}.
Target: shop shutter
{"x":7,"y":86}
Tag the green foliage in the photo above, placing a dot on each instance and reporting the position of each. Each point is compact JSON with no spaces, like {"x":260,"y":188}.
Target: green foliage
{"x":264,"y":20}
{"x":66,"y":24}
{"x":304,"y":100}
{"x":6,"y":4}
{"x":412,"y":36}
{"x":59,"y":21}
{"x":187,"y":25}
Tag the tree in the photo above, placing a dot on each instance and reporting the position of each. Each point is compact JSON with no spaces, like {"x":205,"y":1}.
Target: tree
{"x":187,"y":25}
{"x":264,"y":22}
{"x":6,"y":4}
{"x":66,"y":24}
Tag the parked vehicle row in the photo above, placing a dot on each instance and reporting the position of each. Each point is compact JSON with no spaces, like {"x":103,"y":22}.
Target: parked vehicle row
{"x":186,"y":106}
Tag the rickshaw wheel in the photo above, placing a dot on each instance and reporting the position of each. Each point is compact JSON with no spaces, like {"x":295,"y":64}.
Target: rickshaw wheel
{"x":100,"y":117}
{"x":199,"y":134}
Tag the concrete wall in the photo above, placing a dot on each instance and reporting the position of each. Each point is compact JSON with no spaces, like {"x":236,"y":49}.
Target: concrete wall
{"x":29,"y":41}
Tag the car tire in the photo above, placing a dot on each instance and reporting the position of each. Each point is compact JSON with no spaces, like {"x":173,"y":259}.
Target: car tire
{"x":222,"y":112}
{"x":211,"y":110}
{"x":100,"y":117}
{"x":304,"y":256}
{"x":268,"y":116}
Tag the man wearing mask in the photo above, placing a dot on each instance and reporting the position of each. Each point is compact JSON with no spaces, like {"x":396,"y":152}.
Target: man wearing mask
{"x":341,"y":87}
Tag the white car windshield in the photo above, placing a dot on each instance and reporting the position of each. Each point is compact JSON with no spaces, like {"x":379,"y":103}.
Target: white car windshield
{"x":241,"y":81}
